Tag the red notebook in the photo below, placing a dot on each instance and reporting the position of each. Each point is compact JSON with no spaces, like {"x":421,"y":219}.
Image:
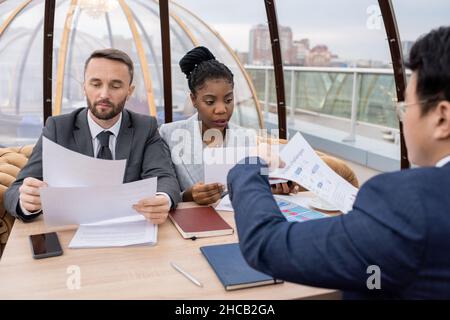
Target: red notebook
{"x":199,"y":222}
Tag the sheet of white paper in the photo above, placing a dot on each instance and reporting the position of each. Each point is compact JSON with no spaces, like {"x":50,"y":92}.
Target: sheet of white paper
{"x":65,"y":168}
{"x":276,"y":181}
{"x":118,"y":234}
{"x":134,"y":218}
{"x":225,"y":204}
{"x":219,"y":161}
{"x":81,"y":205}
{"x":306,"y":168}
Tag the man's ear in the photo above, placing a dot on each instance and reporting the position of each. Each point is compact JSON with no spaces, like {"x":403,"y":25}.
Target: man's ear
{"x":442,"y":122}
{"x":130,"y":91}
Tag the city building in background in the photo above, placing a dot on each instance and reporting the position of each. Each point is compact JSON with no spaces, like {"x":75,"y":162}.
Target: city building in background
{"x":260,"y":49}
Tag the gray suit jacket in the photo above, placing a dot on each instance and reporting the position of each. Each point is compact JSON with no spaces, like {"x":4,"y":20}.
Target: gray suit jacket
{"x":185,"y":141}
{"x":138,"y":141}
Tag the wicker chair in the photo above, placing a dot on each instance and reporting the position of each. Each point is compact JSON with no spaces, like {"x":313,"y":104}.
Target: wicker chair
{"x":11,"y":161}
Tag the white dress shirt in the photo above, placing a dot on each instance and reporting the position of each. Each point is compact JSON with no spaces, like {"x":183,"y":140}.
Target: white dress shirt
{"x":95,"y":129}
{"x":443,"y":161}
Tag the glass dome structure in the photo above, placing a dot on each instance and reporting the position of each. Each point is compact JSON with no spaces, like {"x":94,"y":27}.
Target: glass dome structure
{"x":332,"y":70}
{"x":82,"y":26}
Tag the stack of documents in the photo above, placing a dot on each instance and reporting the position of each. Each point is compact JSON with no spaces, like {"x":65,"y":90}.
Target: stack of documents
{"x":115,"y":233}
{"x":84,"y":190}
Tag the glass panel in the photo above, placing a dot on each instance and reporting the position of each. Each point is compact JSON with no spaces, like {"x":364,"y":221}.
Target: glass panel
{"x":21,"y":74}
{"x":226,"y":36}
{"x":112,"y":30}
{"x":415,"y":18}
{"x":337,"y":64}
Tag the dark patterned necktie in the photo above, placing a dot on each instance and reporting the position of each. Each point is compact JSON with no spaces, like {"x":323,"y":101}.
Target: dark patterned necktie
{"x":104,"y":152}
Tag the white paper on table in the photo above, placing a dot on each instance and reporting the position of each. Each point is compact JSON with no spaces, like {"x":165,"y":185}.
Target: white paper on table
{"x":81,"y":205}
{"x":128,"y":231}
{"x":306,"y":168}
{"x":62,"y":167}
{"x":225,"y":204}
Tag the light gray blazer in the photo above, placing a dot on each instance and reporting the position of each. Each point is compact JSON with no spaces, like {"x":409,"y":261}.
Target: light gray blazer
{"x":186,"y":146}
{"x":138,"y":141}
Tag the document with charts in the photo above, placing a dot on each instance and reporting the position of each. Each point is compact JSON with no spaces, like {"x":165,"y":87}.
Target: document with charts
{"x":305,"y":167}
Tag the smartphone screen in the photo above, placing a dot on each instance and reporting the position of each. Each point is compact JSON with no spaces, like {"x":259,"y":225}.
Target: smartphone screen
{"x":45,"y":245}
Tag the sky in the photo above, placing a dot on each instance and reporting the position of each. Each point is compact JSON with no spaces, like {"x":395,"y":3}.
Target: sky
{"x":352,"y":29}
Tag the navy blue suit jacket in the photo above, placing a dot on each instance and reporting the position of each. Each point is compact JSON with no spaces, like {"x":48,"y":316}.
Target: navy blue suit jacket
{"x":400,"y":222}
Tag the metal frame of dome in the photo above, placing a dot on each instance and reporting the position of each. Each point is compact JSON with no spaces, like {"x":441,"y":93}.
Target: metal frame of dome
{"x":387,"y":12}
{"x":61,"y":71}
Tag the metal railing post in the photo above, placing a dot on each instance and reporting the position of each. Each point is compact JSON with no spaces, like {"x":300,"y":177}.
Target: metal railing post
{"x":292,"y":98}
{"x":355,"y":96}
{"x":266,"y":93}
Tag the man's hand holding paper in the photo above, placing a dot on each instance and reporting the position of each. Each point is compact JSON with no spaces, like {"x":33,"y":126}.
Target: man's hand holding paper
{"x":30,"y":195}
{"x":154,"y":209}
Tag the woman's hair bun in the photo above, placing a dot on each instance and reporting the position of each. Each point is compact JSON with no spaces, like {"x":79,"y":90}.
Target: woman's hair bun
{"x":193,"y":58}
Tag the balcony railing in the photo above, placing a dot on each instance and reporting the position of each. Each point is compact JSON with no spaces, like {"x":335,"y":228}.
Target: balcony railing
{"x":360,"y":96}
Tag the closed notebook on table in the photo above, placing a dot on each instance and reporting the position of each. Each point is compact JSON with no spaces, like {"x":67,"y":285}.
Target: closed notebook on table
{"x":199,"y":222}
{"x":232,"y":269}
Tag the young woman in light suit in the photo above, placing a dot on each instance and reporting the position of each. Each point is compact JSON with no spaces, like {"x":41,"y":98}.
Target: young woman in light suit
{"x":211,"y":85}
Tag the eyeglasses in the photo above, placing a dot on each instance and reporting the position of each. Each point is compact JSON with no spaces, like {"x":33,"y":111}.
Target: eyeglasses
{"x":400,"y":107}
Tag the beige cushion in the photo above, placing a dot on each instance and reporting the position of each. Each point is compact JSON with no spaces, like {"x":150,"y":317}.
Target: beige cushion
{"x":11,"y":161}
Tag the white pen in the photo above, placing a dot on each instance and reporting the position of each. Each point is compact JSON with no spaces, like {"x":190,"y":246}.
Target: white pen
{"x":187,"y":275}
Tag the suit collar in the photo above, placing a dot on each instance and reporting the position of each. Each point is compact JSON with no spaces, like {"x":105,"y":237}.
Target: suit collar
{"x":82,"y":134}
{"x":125,"y":137}
{"x":95,"y":128}
{"x":83,"y":137}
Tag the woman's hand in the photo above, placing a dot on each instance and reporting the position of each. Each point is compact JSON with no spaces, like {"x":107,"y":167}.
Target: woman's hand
{"x":285,"y":188}
{"x":204,"y":193}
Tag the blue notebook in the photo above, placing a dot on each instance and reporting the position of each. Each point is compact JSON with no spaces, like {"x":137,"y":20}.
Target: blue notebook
{"x":232,"y":269}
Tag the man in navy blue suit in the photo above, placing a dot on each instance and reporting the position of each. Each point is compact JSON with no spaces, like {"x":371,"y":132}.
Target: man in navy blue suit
{"x":399,"y":228}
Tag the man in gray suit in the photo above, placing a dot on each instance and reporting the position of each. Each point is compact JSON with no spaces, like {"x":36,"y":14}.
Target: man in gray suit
{"x":104,"y":130}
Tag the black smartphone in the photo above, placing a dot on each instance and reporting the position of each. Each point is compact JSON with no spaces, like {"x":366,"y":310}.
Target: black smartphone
{"x":45,"y":245}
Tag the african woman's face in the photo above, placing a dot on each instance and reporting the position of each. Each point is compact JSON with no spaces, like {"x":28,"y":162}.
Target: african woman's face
{"x":214,"y":102}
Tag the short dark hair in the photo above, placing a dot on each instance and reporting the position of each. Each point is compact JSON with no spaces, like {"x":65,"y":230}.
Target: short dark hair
{"x":430,"y":57}
{"x":199,"y":65}
{"x":112,"y":54}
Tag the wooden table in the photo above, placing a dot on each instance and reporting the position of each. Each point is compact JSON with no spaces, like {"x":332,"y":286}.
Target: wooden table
{"x":141,"y":272}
